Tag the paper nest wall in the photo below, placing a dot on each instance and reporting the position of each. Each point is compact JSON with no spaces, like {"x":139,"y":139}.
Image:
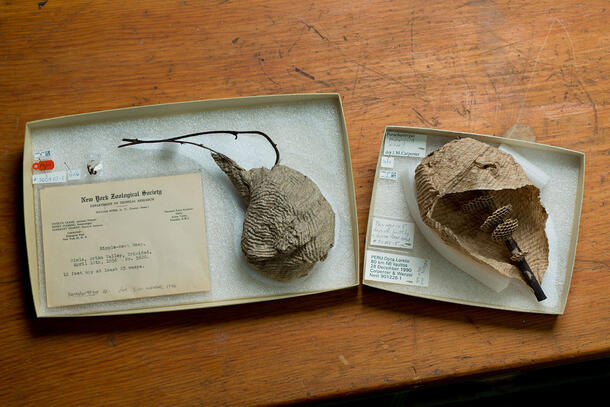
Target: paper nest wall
{"x":561,"y":195}
{"x":310,"y":135}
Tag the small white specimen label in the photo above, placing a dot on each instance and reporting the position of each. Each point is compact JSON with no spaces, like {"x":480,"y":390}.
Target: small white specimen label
{"x":405,"y":145}
{"x":387,"y":162}
{"x":388,"y":174}
{"x":395,"y":268}
{"x":42,"y":155}
{"x":49,"y":177}
{"x":73,"y":174}
{"x":392,"y":233}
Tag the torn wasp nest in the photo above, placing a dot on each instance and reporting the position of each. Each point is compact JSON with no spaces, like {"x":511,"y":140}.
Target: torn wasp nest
{"x":479,"y":201}
{"x":289,"y":226}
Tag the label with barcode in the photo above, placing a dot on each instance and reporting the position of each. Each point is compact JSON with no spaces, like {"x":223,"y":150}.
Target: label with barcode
{"x":40,"y":155}
{"x":388,"y":174}
{"x":405,"y":145}
{"x":49,"y":177}
{"x":395,"y":268}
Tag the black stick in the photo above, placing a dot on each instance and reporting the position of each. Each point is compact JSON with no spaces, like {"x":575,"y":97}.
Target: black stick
{"x":525,"y":269}
{"x":486,"y":203}
{"x":178,"y":139}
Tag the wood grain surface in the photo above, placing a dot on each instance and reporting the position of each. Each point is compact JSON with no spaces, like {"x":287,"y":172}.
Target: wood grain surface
{"x":467,"y":66}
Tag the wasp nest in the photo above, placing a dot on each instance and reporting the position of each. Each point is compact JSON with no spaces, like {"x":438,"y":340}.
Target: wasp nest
{"x":289,"y":226}
{"x":465,"y":181}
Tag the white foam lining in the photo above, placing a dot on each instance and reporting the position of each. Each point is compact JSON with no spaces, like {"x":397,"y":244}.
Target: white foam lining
{"x":309,"y":136}
{"x":556,"y":173}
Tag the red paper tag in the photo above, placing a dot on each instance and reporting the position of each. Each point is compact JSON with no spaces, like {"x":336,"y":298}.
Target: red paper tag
{"x":43,"y":165}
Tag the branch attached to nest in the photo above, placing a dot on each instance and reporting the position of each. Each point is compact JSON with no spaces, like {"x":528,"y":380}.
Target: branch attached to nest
{"x":179,"y":140}
{"x":501,"y":227}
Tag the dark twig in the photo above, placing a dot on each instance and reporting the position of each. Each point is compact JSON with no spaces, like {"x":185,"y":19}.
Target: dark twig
{"x":501,"y":228}
{"x":178,"y":140}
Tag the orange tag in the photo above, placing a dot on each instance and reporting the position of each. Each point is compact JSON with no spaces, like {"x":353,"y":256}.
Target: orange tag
{"x":43,"y":165}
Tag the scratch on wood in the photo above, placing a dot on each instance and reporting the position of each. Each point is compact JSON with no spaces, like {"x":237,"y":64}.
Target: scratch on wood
{"x":412,"y":55}
{"x":386,"y":379}
{"x":42,"y":3}
{"x":582,"y":86}
{"x":489,"y":51}
{"x":234,"y":41}
{"x":385,"y":76}
{"x":293,"y":44}
{"x":71,"y":17}
{"x":493,"y":84}
{"x":260,"y":63}
{"x":464,"y":111}
{"x":311,"y":27}
{"x":305,"y":74}
{"x":471,"y":3}
{"x":529,"y":85}
{"x":557,"y":345}
{"x":414,"y":332}
{"x":356,"y":80}
{"x":470,"y":321}
{"x":425,"y":121}
{"x":270,"y":19}
{"x":416,"y":92}
{"x":548,"y":78}
{"x":597,"y":265}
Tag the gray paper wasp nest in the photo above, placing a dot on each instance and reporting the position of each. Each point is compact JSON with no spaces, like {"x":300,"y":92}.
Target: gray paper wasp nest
{"x":289,"y":226}
{"x":479,"y":200}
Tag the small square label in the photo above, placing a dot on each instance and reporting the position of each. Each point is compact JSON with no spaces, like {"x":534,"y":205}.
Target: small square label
{"x":388,"y":174}
{"x":387,"y":162}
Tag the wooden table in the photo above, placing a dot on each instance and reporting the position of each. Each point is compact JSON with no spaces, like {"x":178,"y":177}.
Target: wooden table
{"x":466,"y":66}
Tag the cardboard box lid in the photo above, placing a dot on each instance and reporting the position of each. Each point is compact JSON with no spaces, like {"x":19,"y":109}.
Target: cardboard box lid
{"x":442,"y":280}
{"x":288,"y":112}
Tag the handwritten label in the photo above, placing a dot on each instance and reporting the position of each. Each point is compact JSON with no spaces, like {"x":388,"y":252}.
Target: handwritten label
{"x":387,"y":162}
{"x":73,"y":174}
{"x":49,"y":177}
{"x":392,"y":233}
{"x":388,"y":174}
{"x":405,"y":145}
{"x":395,"y":268}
